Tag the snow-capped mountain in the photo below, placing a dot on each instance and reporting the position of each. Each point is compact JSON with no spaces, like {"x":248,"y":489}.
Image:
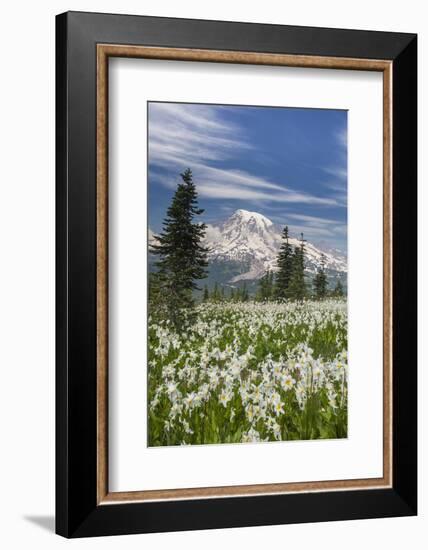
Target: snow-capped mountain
{"x":252,"y":240}
{"x":246,"y":245}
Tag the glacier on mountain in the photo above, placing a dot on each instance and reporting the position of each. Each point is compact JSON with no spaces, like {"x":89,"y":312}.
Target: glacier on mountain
{"x":252,"y":240}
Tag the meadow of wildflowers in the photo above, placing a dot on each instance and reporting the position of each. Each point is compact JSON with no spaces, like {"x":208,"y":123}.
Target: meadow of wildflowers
{"x":249,"y":372}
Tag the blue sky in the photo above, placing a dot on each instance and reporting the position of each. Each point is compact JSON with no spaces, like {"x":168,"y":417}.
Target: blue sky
{"x":287,"y":164}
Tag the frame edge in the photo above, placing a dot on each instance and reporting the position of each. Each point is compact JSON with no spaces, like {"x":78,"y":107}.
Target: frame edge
{"x":61,"y":268}
{"x":103,"y":520}
{"x":405,"y":274}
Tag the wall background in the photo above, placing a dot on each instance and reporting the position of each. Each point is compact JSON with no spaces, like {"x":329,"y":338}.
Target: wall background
{"x":27,"y":242}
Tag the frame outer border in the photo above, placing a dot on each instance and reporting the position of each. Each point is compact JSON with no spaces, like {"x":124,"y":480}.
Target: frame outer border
{"x":77,"y":513}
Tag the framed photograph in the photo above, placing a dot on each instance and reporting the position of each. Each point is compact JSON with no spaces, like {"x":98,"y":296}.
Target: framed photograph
{"x":236,"y":274}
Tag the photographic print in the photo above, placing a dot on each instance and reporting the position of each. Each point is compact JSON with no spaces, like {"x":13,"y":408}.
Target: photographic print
{"x":247,"y":261}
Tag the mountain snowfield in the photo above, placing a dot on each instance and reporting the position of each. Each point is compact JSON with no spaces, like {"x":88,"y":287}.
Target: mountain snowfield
{"x":253,"y":240}
{"x":250,"y":242}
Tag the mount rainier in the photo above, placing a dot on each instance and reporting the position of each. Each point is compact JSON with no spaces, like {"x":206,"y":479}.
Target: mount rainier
{"x":252,"y":241}
{"x":246,"y":245}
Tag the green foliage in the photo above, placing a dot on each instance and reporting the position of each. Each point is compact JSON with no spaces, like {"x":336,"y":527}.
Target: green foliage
{"x":244,"y":293}
{"x":218,"y":294}
{"x":266,"y":287}
{"x":182,"y":259}
{"x":156,"y":300}
{"x":338,"y":289}
{"x":297,"y":287}
{"x":206,"y":295}
{"x":285,"y":267}
{"x":215,"y":294}
{"x":320,"y":280}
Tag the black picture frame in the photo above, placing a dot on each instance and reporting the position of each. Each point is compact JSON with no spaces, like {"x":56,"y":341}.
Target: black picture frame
{"x":77,"y":511}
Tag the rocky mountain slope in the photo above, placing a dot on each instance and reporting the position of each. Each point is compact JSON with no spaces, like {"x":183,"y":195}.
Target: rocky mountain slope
{"x":245,"y":246}
{"x":252,"y":240}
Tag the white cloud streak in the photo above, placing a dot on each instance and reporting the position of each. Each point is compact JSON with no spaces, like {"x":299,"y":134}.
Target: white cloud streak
{"x":339,"y":171}
{"x":182,"y":135}
{"x":342,"y":137}
{"x":315,"y":229}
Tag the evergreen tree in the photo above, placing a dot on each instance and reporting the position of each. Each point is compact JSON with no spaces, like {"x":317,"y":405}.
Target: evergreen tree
{"x":338,"y":289}
{"x":155,"y":294}
{"x":182,"y":258}
{"x":285,"y":266}
{"x":215,"y":295}
{"x":261,"y":291}
{"x":271,"y":285}
{"x":297,"y":286}
{"x":223,"y":296}
{"x":265,"y":291}
{"x":206,"y":294}
{"x":320,"y":280}
{"x":245,"y":295}
{"x":232,"y":294}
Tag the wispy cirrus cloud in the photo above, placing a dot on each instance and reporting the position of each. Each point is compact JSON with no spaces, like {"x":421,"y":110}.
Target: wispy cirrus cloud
{"x":316,"y":229}
{"x":338,"y":172}
{"x":342,"y":137}
{"x":200,"y":136}
{"x":188,"y":134}
{"x":313,"y":220}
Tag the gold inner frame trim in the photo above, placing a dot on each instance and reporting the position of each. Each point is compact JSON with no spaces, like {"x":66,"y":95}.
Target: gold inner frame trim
{"x":104,"y":51}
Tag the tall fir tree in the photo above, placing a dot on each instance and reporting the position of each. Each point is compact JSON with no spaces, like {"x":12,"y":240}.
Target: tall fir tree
{"x":338,"y":289}
{"x":285,"y":266}
{"x":261,"y":290}
{"x":245,"y":296}
{"x":297,"y":286}
{"x":182,"y":258}
{"x":271,"y":285}
{"x":215,"y":294}
{"x":265,"y":291}
{"x":206,"y":296}
{"x":320,"y":280}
